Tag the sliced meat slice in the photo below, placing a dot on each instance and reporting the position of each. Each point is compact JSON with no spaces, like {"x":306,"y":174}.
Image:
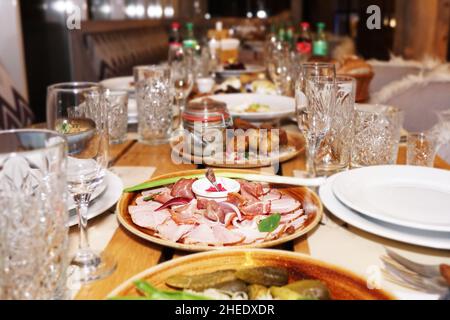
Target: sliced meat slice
{"x":213,"y":210}
{"x":236,"y":199}
{"x":271,"y":195}
{"x":275,"y":234}
{"x":286,"y":218}
{"x":256,"y":208}
{"x":299,"y":222}
{"x":154,"y":191}
{"x":185,"y":214}
{"x":226,"y":236}
{"x":183,"y":189}
{"x":146,"y":217}
{"x":172,"y":231}
{"x":284,"y":205}
{"x":251,"y":191}
{"x":201,"y":234}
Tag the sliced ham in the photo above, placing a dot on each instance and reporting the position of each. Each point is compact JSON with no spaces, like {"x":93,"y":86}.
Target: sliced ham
{"x":251,"y":190}
{"x":236,"y":199}
{"x":201,"y":234}
{"x":226,"y":236}
{"x":183,"y":189}
{"x":286,"y":218}
{"x":275,"y":234}
{"x":146,"y":217}
{"x":284,"y":205}
{"x":299,"y":222}
{"x":256,"y":208}
{"x":273,"y":194}
{"x":147,"y":193}
{"x":172,"y":231}
{"x":185,"y":214}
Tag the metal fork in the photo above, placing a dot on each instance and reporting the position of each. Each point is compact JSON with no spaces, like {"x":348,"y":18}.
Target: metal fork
{"x":407,"y":273}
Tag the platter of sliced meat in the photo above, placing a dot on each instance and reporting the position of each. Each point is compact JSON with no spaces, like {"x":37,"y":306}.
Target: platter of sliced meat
{"x":191,"y":214}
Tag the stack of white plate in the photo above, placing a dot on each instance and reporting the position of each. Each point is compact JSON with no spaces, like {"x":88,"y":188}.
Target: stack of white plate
{"x":405,"y":203}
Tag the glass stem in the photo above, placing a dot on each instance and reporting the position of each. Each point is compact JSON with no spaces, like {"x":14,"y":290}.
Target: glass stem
{"x":82,"y":202}
{"x":311,"y":158}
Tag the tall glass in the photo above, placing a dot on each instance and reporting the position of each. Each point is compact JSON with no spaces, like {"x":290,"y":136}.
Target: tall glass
{"x":33,"y":215}
{"x":278,"y":65}
{"x":315,"y":92}
{"x":79,"y":112}
{"x":421,"y":149}
{"x":154,"y":102}
{"x":117,"y":107}
{"x":376,"y":135}
{"x":182,"y":81}
{"x":333,"y":154}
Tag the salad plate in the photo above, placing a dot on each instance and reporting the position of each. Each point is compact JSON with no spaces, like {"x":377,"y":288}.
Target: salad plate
{"x":329,"y":281}
{"x":259,"y":215}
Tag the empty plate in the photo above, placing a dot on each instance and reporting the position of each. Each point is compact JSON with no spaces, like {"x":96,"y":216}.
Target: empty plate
{"x":409,"y":196}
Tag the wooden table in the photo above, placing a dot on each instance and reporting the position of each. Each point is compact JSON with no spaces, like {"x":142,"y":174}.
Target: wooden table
{"x":134,"y":255}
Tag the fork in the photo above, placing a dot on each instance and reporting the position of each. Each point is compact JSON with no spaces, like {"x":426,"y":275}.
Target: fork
{"x":407,"y":273}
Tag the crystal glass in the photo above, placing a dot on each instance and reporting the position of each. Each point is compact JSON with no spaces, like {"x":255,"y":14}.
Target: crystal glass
{"x":421,"y":149}
{"x":333,"y":154}
{"x":117,"y":106}
{"x":182,"y":81}
{"x":314,"y":100}
{"x":154,"y":102}
{"x":279,"y":65}
{"x":376,"y":135}
{"x":78,"y":110}
{"x":33,"y":215}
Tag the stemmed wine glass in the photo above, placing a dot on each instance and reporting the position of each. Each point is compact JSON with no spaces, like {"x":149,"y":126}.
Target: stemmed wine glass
{"x":278,"y":65}
{"x":315,"y":95}
{"x":78,"y":111}
{"x":182,"y":79}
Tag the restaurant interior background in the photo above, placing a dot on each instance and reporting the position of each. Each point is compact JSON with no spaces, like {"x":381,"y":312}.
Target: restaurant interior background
{"x":38,"y":49}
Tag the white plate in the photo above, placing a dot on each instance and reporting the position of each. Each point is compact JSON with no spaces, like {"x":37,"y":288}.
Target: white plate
{"x":119,"y":83}
{"x":409,"y":196}
{"x":249,"y":68}
{"x":439,"y":240}
{"x":280,"y":106}
{"x":114,"y":188}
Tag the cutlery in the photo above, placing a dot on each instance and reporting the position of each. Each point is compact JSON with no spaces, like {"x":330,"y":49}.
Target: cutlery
{"x":407,"y":273}
{"x":212,"y":178}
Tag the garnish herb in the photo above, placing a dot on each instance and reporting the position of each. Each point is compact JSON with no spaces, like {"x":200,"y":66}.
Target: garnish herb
{"x":270,"y":223}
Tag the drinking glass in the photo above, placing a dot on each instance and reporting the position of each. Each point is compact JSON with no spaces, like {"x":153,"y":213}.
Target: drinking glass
{"x":279,"y":66}
{"x":421,"y":149}
{"x":315,"y":99}
{"x":117,"y":107}
{"x":154,"y":103}
{"x":182,"y":81}
{"x":78,"y":111}
{"x":376,"y":135}
{"x":333,"y":154}
{"x":33,"y":215}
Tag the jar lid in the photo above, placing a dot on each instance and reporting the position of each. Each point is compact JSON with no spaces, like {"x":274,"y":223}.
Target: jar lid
{"x":206,"y":110}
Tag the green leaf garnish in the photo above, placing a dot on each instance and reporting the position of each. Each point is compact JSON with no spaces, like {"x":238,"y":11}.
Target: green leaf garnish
{"x":151,"y":197}
{"x":270,"y":223}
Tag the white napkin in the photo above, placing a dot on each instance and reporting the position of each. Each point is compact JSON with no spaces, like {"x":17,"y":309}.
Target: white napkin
{"x":359,"y":251}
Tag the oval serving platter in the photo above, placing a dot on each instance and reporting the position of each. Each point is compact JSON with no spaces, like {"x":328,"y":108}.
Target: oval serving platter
{"x":342,"y":284}
{"x":309,"y":200}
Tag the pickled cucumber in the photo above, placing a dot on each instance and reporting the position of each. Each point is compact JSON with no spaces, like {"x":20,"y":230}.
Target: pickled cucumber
{"x":203,"y":281}
{"x":265,"y":276}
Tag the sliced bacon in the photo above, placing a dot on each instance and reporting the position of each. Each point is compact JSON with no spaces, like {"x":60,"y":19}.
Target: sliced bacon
{"x":163,"y":197}
{"x":273,"y":194}
{"x":275,"y":234}
{"x":236,"y":199}
{"x":225,"y":236}
{"x":299,"y":222}
{"x":172,"y":231}
{"x":286,"y":218}
{"x":284,"y":205}
{"x":183,"y":188}
{"x":147,"y":193}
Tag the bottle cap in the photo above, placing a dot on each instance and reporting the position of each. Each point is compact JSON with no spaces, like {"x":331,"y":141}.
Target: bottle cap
{"x":175,"y":25}
{"x":189,"y":25}
{"x":320,"y":25}
{"x":304,"y":25}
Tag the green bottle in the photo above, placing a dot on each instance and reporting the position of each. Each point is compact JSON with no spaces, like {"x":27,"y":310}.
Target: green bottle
{"x":281,"y":33}
{"x":190,"y":41}
{"x":320,"y":44}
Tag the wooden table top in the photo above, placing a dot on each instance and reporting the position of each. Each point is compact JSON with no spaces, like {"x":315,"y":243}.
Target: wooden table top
{"x":134,"y":255}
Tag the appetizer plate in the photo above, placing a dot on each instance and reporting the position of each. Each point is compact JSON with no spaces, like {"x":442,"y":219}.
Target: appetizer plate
{"x":249,"y":68}
{"x":438,"y":240}
{"x":310,"y":203}
{"x":296,"y":145}
{"x":341,"y":283}
{"x":119,"y":83}
{"x":279,"y":106}
{"x":409,"y":196}
{"x":105,"y":201}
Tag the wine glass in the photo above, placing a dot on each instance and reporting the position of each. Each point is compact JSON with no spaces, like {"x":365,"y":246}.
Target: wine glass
{"x":315,"y":94}
{"x":278,"y":65}
{"x":182,"y":79}
{"x":78,"y":111}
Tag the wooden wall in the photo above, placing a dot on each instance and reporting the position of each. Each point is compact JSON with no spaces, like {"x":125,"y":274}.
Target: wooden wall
{"x":422,"y":28}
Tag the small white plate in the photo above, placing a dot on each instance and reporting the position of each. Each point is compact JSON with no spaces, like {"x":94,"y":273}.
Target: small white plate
{"x":119,"y":83}
{"x":114,"y":188}
{"x":279,"y":106}
{"x":439,"y":240}
{"x":249,"y":68}
{"x":200,"y":186}
{"x":409,"y":196}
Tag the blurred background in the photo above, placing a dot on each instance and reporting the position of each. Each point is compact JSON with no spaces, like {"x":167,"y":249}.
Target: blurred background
{"x":41,"y":43}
